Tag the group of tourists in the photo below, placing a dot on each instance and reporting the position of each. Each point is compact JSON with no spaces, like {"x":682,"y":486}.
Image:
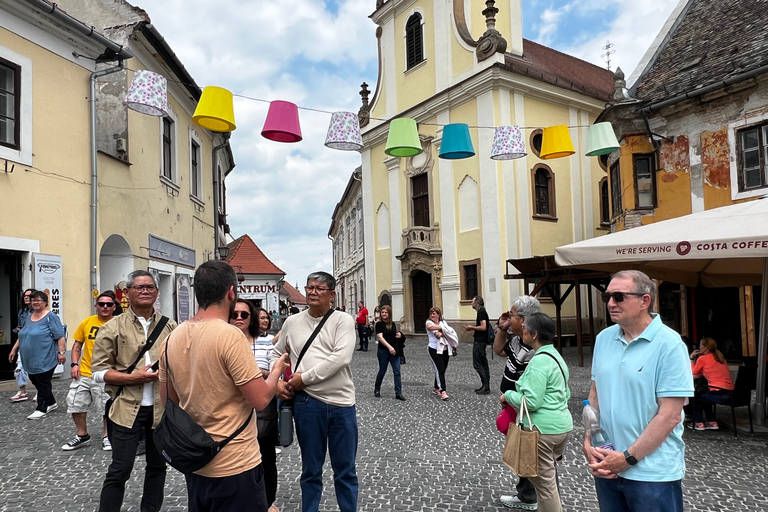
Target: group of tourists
{"x":226,"y":371}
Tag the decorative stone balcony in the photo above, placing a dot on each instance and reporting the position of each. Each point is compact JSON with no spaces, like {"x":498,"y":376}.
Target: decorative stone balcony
{"x":421,"y":238}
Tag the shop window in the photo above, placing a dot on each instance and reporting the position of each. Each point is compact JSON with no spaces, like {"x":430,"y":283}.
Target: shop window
{"x":543,"y":193}
{"x":414,"y":41}
{"x":753,"y":153}
{"x":645,"y":180}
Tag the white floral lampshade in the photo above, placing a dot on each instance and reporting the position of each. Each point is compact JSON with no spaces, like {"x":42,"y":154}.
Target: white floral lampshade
{"x":508,"y":143}
{"x":148,"y":93}
{"x":344,"y":132}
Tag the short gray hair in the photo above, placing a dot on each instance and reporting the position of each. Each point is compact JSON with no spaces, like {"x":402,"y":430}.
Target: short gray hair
{"x":139,"y":273}
{"x":480,"y":301}
{"x":323,"y":277}
{"x":643,"y":283}
{"x":526,"y":305}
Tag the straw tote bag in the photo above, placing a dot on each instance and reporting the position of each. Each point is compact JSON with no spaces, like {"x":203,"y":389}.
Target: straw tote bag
{"x":521,"y":450}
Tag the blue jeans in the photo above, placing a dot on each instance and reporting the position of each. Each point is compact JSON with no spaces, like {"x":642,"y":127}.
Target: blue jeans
{"x":620,"y":494}
{"x":385,"y":358}
{"x":717,"y":396}
{"x":322,"y":428}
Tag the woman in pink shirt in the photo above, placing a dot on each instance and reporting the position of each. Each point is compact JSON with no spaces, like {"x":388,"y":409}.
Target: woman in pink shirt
{"x":709,"y":362}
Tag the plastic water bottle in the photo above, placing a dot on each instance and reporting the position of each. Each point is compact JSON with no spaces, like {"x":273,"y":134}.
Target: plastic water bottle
{"x":597,"y":435}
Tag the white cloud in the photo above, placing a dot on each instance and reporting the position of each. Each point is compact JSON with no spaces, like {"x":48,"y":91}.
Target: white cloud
{"x":548,"y":26}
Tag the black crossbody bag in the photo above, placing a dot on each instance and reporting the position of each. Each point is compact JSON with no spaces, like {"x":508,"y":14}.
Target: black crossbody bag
{"x":286,"y":406}
{"x":181,"y":441}
{"x":148,"y":345}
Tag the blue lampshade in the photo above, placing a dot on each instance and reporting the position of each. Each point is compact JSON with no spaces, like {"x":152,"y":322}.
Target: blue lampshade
{"x":456,"y":143}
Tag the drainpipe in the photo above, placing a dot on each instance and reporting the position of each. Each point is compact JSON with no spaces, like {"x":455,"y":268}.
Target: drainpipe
{"x":95,"y":171}
{"x":216,"y":186}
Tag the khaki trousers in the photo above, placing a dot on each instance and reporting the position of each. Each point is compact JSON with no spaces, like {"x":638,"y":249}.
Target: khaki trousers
{"x":551,"y":447}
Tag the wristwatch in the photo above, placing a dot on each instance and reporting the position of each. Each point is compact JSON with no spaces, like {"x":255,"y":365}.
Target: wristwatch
{"x":62,"y":353}
{"x":631,"y":460}
{"x":72,"y":365}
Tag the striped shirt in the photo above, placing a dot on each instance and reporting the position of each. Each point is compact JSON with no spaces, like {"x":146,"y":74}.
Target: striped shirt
{"x":262,"y":350}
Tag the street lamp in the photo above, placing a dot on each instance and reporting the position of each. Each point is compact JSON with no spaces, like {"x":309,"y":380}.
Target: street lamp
{"x":223,"y":252}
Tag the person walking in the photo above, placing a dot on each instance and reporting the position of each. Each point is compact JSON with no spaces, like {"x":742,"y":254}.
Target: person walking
{"x":389,"y":352}
{"x":641,"y":376}
{"x":480,"y":335}
{"x":323,"y":392}
{"x":442,"y":342}
{"x":19,"y":373}
{"x":363,"y":324}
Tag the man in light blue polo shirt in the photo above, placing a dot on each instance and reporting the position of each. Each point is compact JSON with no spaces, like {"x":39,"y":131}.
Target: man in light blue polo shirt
{"x":641,"y":376}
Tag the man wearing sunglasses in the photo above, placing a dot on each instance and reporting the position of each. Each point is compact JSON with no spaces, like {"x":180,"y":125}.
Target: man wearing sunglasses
{"x":84,"y":391}
{"x":641,"y":377}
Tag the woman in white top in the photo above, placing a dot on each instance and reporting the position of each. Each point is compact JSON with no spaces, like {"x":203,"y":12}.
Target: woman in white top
{"x":255,"y":324}
{"x":439,"y":359}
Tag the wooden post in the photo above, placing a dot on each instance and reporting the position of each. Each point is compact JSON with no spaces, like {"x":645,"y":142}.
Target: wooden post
{"x":591,"y":311}
{"x":578,"y":324}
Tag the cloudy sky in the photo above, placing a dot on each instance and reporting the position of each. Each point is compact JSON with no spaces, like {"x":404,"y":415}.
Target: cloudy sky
{"x":316,"y":53}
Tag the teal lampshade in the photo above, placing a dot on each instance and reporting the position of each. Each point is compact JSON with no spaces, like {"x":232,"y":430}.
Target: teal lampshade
{"x":403,"y":138}
{"x":457,"y":143}
{"x":601,"y":139}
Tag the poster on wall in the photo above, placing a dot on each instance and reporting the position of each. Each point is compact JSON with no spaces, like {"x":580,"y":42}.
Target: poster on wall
{"x":183,"y":297}
{"x":156,"y":274}
{"x":48,"y":277}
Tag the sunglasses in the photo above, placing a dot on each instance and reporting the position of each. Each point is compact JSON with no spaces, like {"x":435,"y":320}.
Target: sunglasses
{"x":240,"y":314}
{"x":105,"y":304}
{"x":619,"y":296}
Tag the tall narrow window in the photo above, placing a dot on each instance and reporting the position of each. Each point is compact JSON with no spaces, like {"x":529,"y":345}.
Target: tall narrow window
{"x":9,"y":104}
{"x":414,"y":41}
{"x":753,"y":155}
{"x":605,"y":206}
{"x":420,"y":198}
{"x":469,"y":278}
{"x":645,"y":181}
{"x":360,"y":227}
{"x":544,"y":192}
{"x":616,"y":189}
{"x":194,"y":169}
{"x":168,"y":148}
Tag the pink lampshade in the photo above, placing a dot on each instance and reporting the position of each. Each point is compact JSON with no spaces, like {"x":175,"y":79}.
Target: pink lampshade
{"x":148,"y":93}
{"x":344,"y":132}
{"x":508,"y":143}
{"x":282,"y":124}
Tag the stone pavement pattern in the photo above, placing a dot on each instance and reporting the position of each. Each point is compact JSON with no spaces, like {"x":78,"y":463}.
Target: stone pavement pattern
{"x":419,"y":455}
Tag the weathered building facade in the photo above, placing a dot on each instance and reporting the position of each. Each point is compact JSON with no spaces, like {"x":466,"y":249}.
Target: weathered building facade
{"x":346,"y":233}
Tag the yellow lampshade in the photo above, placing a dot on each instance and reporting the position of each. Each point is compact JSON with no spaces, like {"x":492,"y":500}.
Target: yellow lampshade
{"x":556,"y":143}
{"x":215,"y":110}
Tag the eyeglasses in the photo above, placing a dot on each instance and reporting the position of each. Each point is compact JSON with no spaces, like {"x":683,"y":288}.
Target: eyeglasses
{"x":318,"y":289}
{"x":37,"y":300}
{"x":240,"y":314}
{"x":619,"y":296}
{"x":144,"y":287}
{"x":105,"y":304}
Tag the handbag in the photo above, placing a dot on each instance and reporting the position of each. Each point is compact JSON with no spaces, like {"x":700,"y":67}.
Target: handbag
{"x":181,"y":441}
{"x":286,"y":406}
{"x":521,"y":449}
{"x":700,"y":385}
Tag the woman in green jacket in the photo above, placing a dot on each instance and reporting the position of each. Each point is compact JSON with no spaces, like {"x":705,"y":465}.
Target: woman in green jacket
{"x":544,"y":385}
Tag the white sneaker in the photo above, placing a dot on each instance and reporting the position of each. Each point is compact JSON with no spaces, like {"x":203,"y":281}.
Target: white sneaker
{"x":37,"y":415}
{"x":52,"y":407}
{"x":278,"y":450}
{"x":106,"y":444}
{"x":514,"y":502}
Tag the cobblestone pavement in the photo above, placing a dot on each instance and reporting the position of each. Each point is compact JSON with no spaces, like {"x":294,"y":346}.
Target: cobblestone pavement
{"x":419,"y":455}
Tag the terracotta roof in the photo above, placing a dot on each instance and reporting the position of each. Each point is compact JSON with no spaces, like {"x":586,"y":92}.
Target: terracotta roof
{"x":247,"y":258}
{"x":701,"y":52}
{"x":294,"y":296}
{"x":559,"y":69}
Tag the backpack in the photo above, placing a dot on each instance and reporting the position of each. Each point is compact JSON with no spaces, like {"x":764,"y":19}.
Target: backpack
{"x":491,"y":331}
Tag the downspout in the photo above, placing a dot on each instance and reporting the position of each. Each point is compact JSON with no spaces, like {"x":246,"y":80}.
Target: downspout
{"x":95,"y":171}
{"x":216,"y":186}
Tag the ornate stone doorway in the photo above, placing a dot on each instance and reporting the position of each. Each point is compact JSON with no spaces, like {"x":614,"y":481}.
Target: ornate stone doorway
{"x":421,"y":286}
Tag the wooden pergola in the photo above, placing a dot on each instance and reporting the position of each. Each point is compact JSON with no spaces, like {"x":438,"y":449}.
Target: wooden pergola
{"x":545,"y":273}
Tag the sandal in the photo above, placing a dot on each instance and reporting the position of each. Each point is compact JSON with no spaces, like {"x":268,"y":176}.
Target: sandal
{"x":19,"y":397}
{"x":444,"y":395}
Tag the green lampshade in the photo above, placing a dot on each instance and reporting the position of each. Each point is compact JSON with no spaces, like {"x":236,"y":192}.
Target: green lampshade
{"x":403,"y":139}
{"x":601,"y":139}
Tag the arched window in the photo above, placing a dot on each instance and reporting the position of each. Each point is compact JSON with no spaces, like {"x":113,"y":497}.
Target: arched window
{"x":544,"y":193}
{"x":534,"y":143}
{"x":414,"y":41}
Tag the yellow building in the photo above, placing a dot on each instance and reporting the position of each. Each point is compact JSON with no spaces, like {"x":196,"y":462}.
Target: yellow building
{"x":444,"y":229}
{"x":155,"y":199}
{"x":693,"y":129}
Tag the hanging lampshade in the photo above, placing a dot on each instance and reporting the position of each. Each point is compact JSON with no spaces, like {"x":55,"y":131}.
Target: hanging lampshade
{"x":457,"y":143}
{"x":148,"y":93}
{"x":508,"y":143}
{"x":601,"y":140}
{"x":403,"y":138}
{"x":556,"y":143}
{"x":344,"y":132}
{"x":215,"y":110}
{"x":282,"y":123}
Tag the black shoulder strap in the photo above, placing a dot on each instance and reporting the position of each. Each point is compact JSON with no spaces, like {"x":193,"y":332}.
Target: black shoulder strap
{"x":223,"y":442}
{"x":558,"y":365}
{"x":150,"y":341}
{"x":312,"y":338}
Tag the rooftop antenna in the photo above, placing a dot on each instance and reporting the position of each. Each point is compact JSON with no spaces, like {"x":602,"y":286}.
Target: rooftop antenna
{"x":608,"y":52}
